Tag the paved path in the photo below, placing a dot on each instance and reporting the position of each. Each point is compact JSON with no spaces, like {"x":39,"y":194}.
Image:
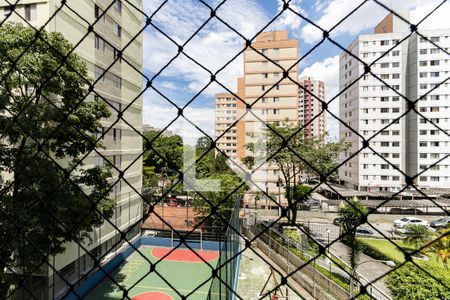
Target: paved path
{"x":368,"y":267}
{"x":253,"y":274}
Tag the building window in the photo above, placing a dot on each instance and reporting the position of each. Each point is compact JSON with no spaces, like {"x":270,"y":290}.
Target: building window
{"x":434,"y":62}
{"x":395,"y":53}
{"x":395,"y":76}
{"x":117,"y":30}
{"x":395,"y":64}
{"x":99,"y":12}
{"x":99,"y":43}
{"x":118,"y":6}
{"x":265,"y":75}
{"x":30,"y":12}
{"x":423,"y":51}
{"x":423,"y":63}
{"x":434,"y":51}
{"x":434,"y":39}
{"x":99,"y":73}
{"x":6,"y":11}
{"x":276,"y":111}
{"x":276,"y":99}
{"x":384,"y":65}
{"x":116,"y":81}
{"x":117,"y":135}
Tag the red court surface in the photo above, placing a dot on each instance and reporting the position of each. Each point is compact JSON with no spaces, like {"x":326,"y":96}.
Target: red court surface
{"x":184,"y":255}
{"x":152,"y":296}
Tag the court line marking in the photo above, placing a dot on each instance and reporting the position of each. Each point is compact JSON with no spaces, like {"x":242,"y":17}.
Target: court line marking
{"x":170,"y":289}
{"x":183,"y":261}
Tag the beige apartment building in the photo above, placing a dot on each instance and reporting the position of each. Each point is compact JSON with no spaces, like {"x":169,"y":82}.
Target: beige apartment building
{"x":273,"y":97}
{"x":120,"y":86}
{"x":310,"y":96}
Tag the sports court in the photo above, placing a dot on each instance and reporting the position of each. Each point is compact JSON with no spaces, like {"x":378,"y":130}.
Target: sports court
{"x":181,"y":270}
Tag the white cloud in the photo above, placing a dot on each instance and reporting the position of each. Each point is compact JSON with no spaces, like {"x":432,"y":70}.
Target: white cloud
{"x":327,"y":71}
{"x":213,"y":46}
{"x":367,"y":16}
{"x":289,"y":20}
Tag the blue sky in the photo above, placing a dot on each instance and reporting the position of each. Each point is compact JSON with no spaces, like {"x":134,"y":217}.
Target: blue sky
{"x":215,"y":44}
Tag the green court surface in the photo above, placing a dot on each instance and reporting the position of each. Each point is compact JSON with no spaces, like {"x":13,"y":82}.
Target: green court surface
{"x":181,"y":270}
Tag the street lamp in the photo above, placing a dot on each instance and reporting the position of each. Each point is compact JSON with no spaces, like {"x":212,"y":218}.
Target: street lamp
{"x":389,"y":263}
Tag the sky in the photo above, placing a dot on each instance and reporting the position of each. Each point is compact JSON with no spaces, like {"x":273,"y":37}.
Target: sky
{"x":179,"y":81}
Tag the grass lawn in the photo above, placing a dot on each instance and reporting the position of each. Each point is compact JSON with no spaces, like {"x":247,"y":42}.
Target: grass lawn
{"x":393,"y":252}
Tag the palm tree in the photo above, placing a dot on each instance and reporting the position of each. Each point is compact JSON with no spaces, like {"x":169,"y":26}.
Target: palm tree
{"x":417,"y":235}
{"x":442,"y":247}
{"x":352,"y":214}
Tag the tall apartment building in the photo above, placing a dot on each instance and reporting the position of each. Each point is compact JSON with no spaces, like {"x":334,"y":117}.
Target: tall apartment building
{"x":411,"y":68}
{"x":120,"y":85}
{"x":278,"y":99}
{"x":310,"y":95}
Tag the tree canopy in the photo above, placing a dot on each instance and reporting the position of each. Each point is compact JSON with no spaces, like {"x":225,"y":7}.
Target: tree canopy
{"x":296,"y":156}
{"x":49,"y":198}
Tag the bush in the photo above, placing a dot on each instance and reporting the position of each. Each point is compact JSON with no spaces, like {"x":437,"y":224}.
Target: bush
{"x":374,"y":252}
{"x":409,"y":282}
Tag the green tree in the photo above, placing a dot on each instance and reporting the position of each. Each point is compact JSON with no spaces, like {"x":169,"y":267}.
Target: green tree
{"x":301,"y":193}
{"x":163,"y":152}
{"x":442,"y":246}
{"x":417,"y":235}
{"x":222,"y":200}
{"x":409,"y":282}
{"x":47,"y":127}
{"x":296,"y":156}
{"x":353,"y":214}
{"x":150,"y":186}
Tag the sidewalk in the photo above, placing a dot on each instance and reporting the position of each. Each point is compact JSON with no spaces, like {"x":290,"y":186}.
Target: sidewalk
{"x":253,"y":274}
{"x":371,"y":270}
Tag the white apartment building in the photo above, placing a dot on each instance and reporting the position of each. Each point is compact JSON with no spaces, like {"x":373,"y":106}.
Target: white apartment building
{"x":225,"y":116}
{"x":428,"y":133}
{"x":369,"y":106}
{"x":310,"y":94}
{"x":120,"y":86}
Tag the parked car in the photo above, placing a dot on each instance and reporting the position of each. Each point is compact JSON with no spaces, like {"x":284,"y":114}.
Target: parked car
{"x":364,"y":231}
{"x":337,"y":221}
{"x":400,"y":223}
{"x":441,"y":223}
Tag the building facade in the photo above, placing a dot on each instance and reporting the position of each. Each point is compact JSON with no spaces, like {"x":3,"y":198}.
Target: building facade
{"x":373,"y":108}
{"x":311,"y":94}
{"x":118,"y":26}
{"x":225,"y":117}
{"x":274,"y":99}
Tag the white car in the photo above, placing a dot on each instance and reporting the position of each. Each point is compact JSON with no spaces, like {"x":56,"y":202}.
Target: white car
{"x":400,"y":223}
